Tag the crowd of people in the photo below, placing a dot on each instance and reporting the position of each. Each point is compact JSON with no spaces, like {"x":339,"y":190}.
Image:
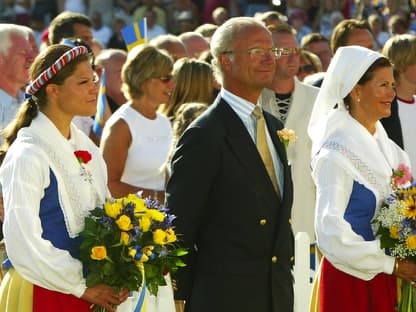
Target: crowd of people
{"x":192,"y":119}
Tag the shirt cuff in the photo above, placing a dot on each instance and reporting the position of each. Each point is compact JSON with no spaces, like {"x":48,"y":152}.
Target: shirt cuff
{"x":79,"y":290}
{"x":389,"y":265}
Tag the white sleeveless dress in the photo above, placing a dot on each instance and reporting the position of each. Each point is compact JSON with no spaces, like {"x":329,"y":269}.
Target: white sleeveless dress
{"x":146,"y":167}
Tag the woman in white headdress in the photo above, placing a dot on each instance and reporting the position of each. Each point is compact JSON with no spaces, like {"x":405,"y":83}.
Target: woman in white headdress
{"x":352,"y":163}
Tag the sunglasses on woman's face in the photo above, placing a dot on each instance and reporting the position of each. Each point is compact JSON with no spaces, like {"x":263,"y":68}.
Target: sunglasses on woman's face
{"x":165,"y":78}
{"x":308,"y":68}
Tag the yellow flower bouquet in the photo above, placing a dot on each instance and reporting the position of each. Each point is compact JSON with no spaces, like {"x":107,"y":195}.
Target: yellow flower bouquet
{"x":129,"y":241}
{"x":396,"y":228}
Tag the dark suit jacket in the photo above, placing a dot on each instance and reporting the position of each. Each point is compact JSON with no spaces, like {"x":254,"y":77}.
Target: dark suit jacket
{"x":392,"y":124}
{"x":237,"y":229}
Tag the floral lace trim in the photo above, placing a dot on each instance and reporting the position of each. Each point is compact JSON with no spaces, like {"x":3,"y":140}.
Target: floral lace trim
{"x":86,"y":174}
{"x":74,"y":216}
{"x":361,"y":167}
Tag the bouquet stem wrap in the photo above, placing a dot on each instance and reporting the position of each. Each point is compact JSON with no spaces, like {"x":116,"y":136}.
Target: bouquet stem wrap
{"x":408,"y":299}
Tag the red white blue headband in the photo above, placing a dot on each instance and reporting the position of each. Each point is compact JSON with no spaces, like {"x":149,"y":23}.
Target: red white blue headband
{"x":50,"y":72}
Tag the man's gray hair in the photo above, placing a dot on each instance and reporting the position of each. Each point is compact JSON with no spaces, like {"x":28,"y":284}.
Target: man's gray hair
{"x":6,"y":32}
{"x":107,"y":54}
{"x":223,"y":37}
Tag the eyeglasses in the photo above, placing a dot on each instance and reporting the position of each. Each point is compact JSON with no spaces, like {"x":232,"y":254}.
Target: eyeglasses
{"x":306,"y":68}
{"x":289,"y":51}
{"x":165,"y":78}
{"x":258,"y":52}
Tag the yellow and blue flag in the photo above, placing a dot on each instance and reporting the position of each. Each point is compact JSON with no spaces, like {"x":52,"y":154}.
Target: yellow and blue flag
{"x":98,"y":125}
{"x":135,"y":34}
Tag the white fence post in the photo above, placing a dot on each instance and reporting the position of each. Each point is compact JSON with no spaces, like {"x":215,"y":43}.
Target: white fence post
{"x":302,"y":272}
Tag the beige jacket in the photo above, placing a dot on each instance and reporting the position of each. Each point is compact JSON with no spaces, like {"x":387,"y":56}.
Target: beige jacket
{"x":299,"y":153}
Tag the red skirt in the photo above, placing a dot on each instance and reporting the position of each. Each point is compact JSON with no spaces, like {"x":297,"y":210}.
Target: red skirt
{"x":339,"y":291}
{"x":45,"y":300}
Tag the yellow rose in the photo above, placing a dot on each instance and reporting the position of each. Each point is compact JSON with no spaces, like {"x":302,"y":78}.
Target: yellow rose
{"x":124,"y":223}
{"x":171,"y":236}
{"x":394,"y":232}
{"x":156,"y":215}
{"x":113,"y":209}
{"x":145,"y":223}
{"x":124,"y":238}
{"x":411,"y":242}
{"x":139,"y":206}
{"x":98,"y":253}
{"x":160,"y":237}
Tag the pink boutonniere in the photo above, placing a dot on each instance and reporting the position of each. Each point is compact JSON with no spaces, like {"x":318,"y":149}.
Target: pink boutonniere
{"x":401,"y":176}
{"x":83,"y":156}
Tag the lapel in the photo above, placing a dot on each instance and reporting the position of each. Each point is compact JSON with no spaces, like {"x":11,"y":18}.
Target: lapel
{"x":244,"y":149}
{"x":272,"y":127}
{"x":282,"y":237}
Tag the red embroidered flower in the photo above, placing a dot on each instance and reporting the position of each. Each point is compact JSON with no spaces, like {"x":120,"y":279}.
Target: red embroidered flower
{"x":83,"y":156}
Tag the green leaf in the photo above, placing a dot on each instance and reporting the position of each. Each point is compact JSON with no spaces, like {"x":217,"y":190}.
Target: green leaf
{"x":180,"y":252}
{"x":152,"y":287}
{"x":108,"y":268}
{"x":180,"y":263}
{"x":386,"y":241}
{"x":93,"y":279}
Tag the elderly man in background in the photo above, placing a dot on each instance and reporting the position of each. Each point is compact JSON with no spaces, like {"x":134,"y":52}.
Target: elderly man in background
{"x":291,"y":101}
{"x":16,"y":56}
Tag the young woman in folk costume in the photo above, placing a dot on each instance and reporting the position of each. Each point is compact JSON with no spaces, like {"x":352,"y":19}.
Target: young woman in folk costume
{"x":52,"y":175}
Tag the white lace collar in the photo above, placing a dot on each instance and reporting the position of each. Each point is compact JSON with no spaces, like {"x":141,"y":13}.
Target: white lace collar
{"x":77,"y":194}
{"x":369,"y":158}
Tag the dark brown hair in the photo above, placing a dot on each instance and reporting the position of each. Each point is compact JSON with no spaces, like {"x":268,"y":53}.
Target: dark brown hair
{"x":62,"y":26}
{"x":340,"y":35}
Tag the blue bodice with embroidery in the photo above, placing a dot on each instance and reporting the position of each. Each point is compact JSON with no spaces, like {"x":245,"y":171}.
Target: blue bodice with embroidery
{"x":360,"y":211}
{"x":53,"y":221}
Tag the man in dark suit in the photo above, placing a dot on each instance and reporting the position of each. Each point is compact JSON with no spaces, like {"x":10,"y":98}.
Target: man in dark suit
{"x":234,"y":222}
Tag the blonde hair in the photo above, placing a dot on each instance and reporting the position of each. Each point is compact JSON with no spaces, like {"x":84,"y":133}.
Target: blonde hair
{"x":194,"y":83}
{"x":186,"y":113}
{"x":143,"y":63}
{"x":401,"y":51}
{"x":308,"y":56}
